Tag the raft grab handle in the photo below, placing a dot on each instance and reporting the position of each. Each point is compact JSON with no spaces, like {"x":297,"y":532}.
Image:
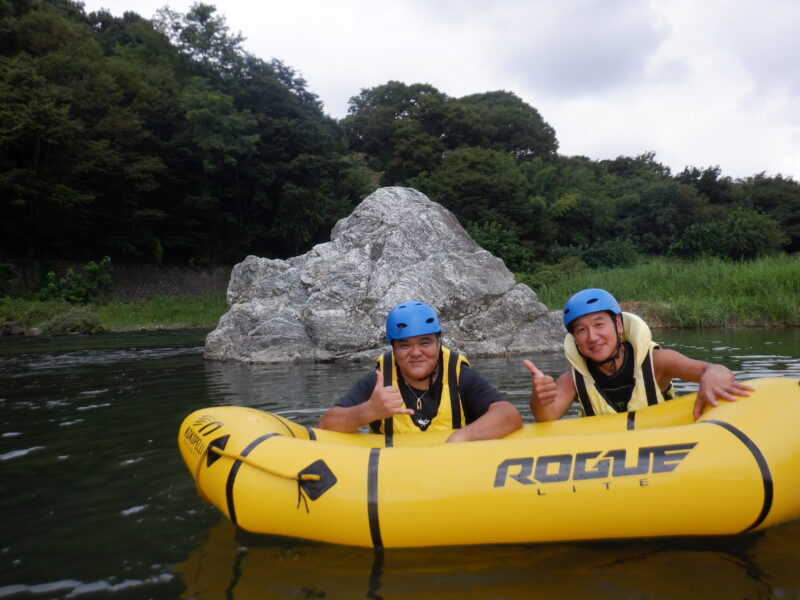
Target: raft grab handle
{"x":312,"y":481}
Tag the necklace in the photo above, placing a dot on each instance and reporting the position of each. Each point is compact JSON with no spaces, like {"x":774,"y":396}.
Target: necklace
{"x":419,"y":398}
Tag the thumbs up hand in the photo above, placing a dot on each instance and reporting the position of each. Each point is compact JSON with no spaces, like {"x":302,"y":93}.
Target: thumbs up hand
{"x":543,"y":387}
{"x":386,"y":400}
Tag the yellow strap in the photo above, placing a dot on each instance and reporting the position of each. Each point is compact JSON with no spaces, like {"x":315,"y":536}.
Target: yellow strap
{"x":260,"y":467}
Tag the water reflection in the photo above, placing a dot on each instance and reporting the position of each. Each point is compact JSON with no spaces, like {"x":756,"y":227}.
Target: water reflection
{"x":303,"y":391}
{"x":232,"y":564}
{"x":300,"y":391}
{"x":750,"y":353}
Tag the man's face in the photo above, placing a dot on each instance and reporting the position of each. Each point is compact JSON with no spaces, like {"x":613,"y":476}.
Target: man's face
{"x":595,"y":335}
{"x":416,"y":358}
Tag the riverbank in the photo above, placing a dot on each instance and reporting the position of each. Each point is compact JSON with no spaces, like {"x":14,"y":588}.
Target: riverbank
{"x":157,"y":312}
{"x":667,"y":293}
{"x":703,"y":293}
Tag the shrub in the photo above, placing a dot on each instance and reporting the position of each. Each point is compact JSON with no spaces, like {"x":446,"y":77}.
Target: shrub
{"x":502,"y":241}
{"x":617,"y":252}
{"x":743,"y":235}
{"x":30,"y":313}
{"x":79,"y":319}
{"x":93,"y":284}
{"x":701,"y":240}
{"x":548,"y":275}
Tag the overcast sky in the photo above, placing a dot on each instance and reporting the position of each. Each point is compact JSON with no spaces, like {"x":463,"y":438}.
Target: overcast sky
{"x":700,"y":83}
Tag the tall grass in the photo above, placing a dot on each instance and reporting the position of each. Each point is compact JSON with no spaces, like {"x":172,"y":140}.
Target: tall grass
{"x":59,"y":317}
{"x":667,"y":292}
{"x":30,"y":313}
{"x":183,"y":310}
{"x":702,"y":293}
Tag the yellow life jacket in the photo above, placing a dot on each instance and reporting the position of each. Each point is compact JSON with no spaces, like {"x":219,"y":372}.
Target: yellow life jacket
{"x":450,"y":415}
{"x":645,"y":390}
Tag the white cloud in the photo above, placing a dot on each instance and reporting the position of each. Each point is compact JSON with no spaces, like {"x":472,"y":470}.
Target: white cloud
{"x":578,"y":48}
{"x":699,"y":83}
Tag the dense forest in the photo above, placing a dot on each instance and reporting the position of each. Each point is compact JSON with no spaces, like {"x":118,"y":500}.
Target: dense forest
{"x":164,"y":141}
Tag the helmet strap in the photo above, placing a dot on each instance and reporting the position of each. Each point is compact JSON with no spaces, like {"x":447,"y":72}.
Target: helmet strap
{"x":612,"y":359}
{"x":435,"y":371}
{"x":433,"y":375}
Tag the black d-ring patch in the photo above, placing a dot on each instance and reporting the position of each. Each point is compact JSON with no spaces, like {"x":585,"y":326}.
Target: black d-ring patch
{"x":315,"y":489}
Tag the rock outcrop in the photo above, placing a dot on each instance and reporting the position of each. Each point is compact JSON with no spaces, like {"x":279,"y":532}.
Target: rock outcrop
{"x":331,"y":303}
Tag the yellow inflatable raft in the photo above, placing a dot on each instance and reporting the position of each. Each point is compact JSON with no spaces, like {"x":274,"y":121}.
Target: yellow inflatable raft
{"x":653,"y":472}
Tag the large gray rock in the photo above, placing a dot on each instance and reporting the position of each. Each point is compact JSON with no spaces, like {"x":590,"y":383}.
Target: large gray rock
{"x":331,"y":303}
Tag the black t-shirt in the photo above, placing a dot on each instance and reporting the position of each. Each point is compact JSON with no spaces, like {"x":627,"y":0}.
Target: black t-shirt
{"x":475,"y":390}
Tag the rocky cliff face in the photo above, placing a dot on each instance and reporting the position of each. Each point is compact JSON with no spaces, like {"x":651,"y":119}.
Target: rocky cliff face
{"x":331,"y":303}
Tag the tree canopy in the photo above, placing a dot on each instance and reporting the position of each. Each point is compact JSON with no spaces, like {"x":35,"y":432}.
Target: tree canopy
{"x":405,"y":130}
{"x":164,"y":140}
{"x":159,"y":141}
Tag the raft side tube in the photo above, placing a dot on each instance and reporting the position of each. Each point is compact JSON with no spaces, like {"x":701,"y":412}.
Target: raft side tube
{"x":737,"y":469}
{"x":651,"y":483}
{"x":768,"y":421}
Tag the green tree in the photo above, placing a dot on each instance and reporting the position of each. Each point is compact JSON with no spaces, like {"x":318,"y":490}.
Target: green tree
{"x":711,"y":184}
{"x":643,"y":166}
{"x":752,"y":235}
{"x":223,"y":134}
{"x":93,"y":283}
{"x":81,"y":164}
{"x":615,"y":252}
{"x":203,"y":36}
{"x":502,"y":241}
{"x":502,"y":121}
{"x":743,"y":235}
{"x":44,"y":156}
{"x":479,"y":186}
{"x":660,"y":213}
{"x":578,"y":210}
{"x":779,"y":198}
{"x":399,"y":127}
{"x":406,"y":129}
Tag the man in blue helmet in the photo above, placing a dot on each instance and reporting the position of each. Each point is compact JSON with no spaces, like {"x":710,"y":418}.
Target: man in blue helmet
{"x":617,"y":367}
{"x":421,"y":385}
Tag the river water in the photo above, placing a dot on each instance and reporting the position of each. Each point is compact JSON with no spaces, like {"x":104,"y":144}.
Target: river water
{"x":96,"y":501}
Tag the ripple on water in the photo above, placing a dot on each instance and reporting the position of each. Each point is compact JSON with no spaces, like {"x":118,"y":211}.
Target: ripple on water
{"x":93,"y":406}
{"x":70,"y":588}
{"x":19,"y":453}
{"x":93,"y":392}
{"x":23,"y":365}
{"x":133,"y":510}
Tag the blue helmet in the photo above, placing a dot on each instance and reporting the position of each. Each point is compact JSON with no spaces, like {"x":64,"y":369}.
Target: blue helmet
{"x":589,"y":301}
{"x":409,"y":319}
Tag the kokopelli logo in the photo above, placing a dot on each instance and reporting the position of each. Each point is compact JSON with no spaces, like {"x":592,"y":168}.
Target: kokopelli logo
{"x":207,"y":424}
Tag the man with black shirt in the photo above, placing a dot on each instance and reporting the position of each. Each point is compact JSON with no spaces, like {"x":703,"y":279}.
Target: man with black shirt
{"x":421,"y":385}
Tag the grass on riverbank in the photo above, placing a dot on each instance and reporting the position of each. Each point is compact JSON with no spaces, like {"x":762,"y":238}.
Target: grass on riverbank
{"x":185,"y":310}
{"x":705,"y":293}
{"x":667,"y":293}
{"x":56,"y":317}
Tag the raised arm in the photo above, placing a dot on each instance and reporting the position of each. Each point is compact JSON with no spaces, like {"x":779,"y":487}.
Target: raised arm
{"x":716,"y":381}
{"x":382,"y":404}
{"x":550,"y":398}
